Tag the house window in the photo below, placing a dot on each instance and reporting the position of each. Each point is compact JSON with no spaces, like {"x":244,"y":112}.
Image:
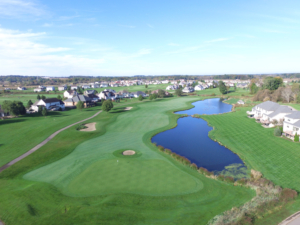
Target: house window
{"x":289,"y":120}
{"x":287,"y":126}
{"x":295,"y":129}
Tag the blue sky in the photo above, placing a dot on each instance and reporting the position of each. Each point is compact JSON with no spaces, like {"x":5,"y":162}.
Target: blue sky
{"x":105,"y":38}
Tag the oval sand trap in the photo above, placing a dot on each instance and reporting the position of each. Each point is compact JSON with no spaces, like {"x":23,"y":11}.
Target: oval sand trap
{"x":90,"y":127}
{"x":128,"y":108}
{"x":129,"y":152}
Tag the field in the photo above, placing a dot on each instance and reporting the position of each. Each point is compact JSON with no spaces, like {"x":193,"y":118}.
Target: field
{"x":78,"y":178}
{"x":277,"y":158}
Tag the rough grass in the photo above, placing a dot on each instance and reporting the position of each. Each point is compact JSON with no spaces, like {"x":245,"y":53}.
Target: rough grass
{"x":76,"y":156}
{"x":278,"y":159}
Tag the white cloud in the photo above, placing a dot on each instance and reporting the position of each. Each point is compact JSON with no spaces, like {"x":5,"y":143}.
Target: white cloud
{"x":48,"y":25}
{"x":20,"y":8}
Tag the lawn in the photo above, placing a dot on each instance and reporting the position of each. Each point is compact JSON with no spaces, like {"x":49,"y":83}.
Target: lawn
{"x":277,"y":158}
{"x":77,"y":179}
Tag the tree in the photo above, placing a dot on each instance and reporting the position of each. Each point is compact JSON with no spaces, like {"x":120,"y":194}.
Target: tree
{"x":146,"y":86}
{"x":296,"y":138}
{"x":44,"y":111}
{"x":68,"y":88}
{"x":29,"y":104}
{"x":80,"y":105}
{"x":59,"y":97}
{"x":43,"y":97}
{"x":150,"y":97}
{"x":140,"y":98}
{"x":107,"y":105}
{"x":277,"y":131}
{"x":295,"y":90}
{"x":38,"y":97}
{"x":234,"y":87}
{"x":286,"y":93}
{"x":40,"y":109}
{"x":14,"y":108}
{"x":222,"y":87}
{"x":178,"y":92}
{"x":154,"y":96}
{"x":161,"y":93}
{"x":253,"y":88}
{"x":272,"y":83}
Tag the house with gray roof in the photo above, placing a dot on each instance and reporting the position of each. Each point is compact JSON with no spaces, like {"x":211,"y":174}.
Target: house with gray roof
{"x":49,"y":104}
{"x":291,"y":124}
{"x":137,"y":94}
{"x":74,"y":100}
{"x":269,"y":111}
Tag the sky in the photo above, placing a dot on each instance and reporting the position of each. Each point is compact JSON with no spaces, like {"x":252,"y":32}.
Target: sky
{"x":137,"y":37}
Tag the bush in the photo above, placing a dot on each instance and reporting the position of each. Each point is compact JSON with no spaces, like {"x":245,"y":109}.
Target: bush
{"x":277,"y":132}
{"x":160,"y":148}
{"x":194,"y":166}
{"x":288,"y":194}
{"x":80,"y":127}
{"x":296,"y":138}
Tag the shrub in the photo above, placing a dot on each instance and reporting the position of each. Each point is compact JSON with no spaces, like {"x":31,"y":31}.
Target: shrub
{"x":205,"y":171}
{"x":80,"y":127}
{"x":296,"y":138}
{"x":168,"y":151}
{"x":213,"y":94}
{"x":229,"y":179}
{"x":194,"y":166}
{"x":288,"y":194}
{"x":161,"y":148}
{"x":277,"y":132}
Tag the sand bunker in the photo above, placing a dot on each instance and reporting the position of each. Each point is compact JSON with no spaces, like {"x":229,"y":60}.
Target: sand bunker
{"x":128,"y":108}
{"x":90,"y":127}
{"x":129,"y":152}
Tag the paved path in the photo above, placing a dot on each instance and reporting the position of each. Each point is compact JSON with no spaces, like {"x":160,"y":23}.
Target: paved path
{"x":42,"y":144}
{"x":292,"y":220}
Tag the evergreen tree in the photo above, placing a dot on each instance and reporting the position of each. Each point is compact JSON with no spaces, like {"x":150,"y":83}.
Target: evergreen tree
{"x":222,"y":87}
{"x":150,"y":97}
{"x":296,"y":138}
{"x":44,"y":112}
{"x":146,"y":86}
{"x":38,"y":97}
{"x":40,"y":109}
{"x":29,"y":104}
{"x":43,"y":97}
{"x":161,"y":93}
{"x":140,"y":98}
{"x":59,"y":97}
{"x":178,"y":92}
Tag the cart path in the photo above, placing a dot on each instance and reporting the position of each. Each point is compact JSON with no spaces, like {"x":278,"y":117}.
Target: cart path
{"x":292,"y":220}
{"x":42,"y":144}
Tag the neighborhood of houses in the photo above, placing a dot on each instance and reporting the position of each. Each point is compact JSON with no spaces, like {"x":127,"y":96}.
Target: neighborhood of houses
{"x":271,"y":113}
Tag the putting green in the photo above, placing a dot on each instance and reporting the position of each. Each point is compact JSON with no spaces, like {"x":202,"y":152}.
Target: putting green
{"x":139,"y":178}
{"x":91,"y":168}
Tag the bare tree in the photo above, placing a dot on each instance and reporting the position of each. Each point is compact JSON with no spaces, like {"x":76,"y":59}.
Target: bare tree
{"x":286,"y":93}
{"x":295,"y":90}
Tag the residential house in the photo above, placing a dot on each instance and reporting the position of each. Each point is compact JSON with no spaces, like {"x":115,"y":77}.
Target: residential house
{"x":86,"y":86}
{"x":199,"y":87}
{"x":188,"y":89}
{"x":6,"y":89}
{"x":138,"y":93}
{"x":96,"y":85}
{"x":123,"y":94}
{"x":50,"y":88}
{"x":49,"y":104}
{"x":172,"y":87}
{"x":74,"y":87}
{"x":156,"y":92}
{"x":21,"y":88}
{"x":93,"y":97}
{"x":73,"y":101}
{"x":62,"y":88}
{"x":165,"y":82}
{"x":70,"y":94}
{"x":38,"y":90}
{"x":42,"y":87}
{"x":107,"y":94}
{"x":240,"y":102}
{"x":87,"y":92}
{"x":291,"y":124}
{"x":104,"y":85}
{"x":269,"y":111}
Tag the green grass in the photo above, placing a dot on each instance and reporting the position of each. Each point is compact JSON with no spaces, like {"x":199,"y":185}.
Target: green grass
{"x":278,"y":159}
{"x":76,"y":178}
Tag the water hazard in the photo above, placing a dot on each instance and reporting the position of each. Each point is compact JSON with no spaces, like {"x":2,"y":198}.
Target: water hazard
{"x":190,"y":138}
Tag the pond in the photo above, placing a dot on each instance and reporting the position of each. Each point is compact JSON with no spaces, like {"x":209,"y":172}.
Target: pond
{"x":190,"y":138}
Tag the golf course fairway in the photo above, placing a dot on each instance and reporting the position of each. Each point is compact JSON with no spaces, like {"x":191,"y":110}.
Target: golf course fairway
{"x":83,"y":178}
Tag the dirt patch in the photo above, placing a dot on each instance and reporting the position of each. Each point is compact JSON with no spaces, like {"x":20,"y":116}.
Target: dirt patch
{"x":90,"y":127}
{"x":128,"y":108}
{"x":128,"y":152}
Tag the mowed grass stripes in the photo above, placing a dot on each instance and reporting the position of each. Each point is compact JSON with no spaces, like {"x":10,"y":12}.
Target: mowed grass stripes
{"x":277,"y":158}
